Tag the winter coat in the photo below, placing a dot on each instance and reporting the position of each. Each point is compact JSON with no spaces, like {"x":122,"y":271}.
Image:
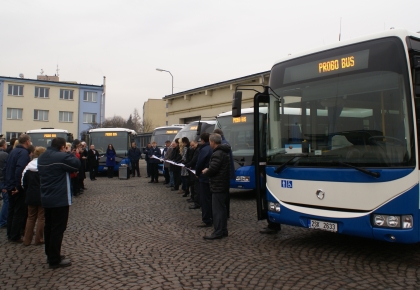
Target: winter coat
{"x":54,"y":169}
{"x":110,"y":158}
{"x":232,"y":166}
{"x":3,"y":158}
{"x":93,"y":158}
{"x":219,"y":169}
{"x":30,"y":183}
{"x":156,"y":152}
{"x":186,"y":155}
{"x":134,"y":154}
{"x":175,"y":157}
{"x":203,"y":161}
{"x":15,"y":164}
{"x":167,"y":152}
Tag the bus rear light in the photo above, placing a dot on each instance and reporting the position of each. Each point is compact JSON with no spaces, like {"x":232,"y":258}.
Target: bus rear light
{"x":393,"y":221}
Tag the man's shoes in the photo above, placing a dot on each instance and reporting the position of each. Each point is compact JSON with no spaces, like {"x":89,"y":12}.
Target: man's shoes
{"x":173,"y":189}
{"x":147,"y":176}
{"x":225,"y":234}
{"x":194,"y":207}
{"x":156,"y":181}
{"x":151,"y":181}
{"x":62,"y":264}
{"x":204,"y":225}
{"x":185,"y":195}
{"x":132,"y":175}
{"x":268,"y":231}
{"x":16,"y":241}
{"x":138,"y":176}
{"x":168,"y":186}
{"x":190,"y":200}
{"x":62,"y":257}
{"x":213,"y":237}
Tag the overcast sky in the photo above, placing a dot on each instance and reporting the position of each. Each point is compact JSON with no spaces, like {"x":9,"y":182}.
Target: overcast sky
{"x":199,"y":42}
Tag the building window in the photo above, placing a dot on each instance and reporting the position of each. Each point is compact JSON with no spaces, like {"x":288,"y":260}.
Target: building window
{"x":41,"y":92}
{"x":89,"y":118}
{"x":15,"y":90}
{"x":66,"y":94}
{"x":90,"y":97}
{"x":65,"y":116}
{"x":10,"y":135}
{"x":40,"y":115}
{"x":14,"y":114}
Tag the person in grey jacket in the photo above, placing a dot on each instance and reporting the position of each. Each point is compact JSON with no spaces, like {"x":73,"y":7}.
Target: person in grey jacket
{"x":54,"y":167}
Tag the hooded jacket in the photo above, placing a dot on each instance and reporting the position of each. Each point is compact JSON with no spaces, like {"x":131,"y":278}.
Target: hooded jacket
{"x":219,"y":169}
{"x":54,"y":169}
{"x":30,"y":183}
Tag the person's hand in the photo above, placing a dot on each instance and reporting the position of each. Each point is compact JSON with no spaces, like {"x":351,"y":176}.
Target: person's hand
{"x":4,"y":190}
{"x":204,"y":170}
{"x":14,"y":191}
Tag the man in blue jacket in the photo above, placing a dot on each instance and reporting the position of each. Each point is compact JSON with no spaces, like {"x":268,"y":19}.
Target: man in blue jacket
{"x":54,"y":167}
{"x":154,"y":171}
{"x":12,"y":172}
{"x":205,"y":196}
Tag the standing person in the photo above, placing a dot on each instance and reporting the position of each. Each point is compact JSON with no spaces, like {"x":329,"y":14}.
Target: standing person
{"x":74,"y":176}
{"x":110,"y":160}
{"x":134,"y":155}
{"x":11,"y":145}
{"x":147,"y":159}
{"x":4,"y":194}
{"x":218,"y":172}
{"x":93,"y":162}
{"x":186,"y":157}
{"x":154,"y":151}
{"x":167,"y":151}
{"x":55,"y":166}
{"x":31,"y":186}
{"x":205,"y":196}
{"x":176,"y":170}
{"x":171,"y":172}
{"x":15,"y":164}
{"x":82,"y":169}
{"x":195,"y":184}
{"x":232,"y":168}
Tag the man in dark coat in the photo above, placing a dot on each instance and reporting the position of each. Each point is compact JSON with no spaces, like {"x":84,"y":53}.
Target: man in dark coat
{"x":54,"y":167}
{"x":147,"y":159}
{"x":154,"y":151}
{"x":218,"y":172}
{"x":93,"y":162}
{"x":205,"y":196}
{"x":167,"y":151}
{"x":15,"y":164}
{"x":134,"y":155}
{"x":195,"y":184}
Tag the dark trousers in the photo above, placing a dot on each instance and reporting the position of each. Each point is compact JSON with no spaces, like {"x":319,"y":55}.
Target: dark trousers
{"x":148,"y":168}
{"x":110,"y":171}
{"x":135,"y":167}
{"x":196,"y":197}
{"x":166,"y":174}
{"x":205,"y":203}
{"x":154,"y":171}
{"x":218,"y":202}
{"x":75,"y":186}
{"x":16,"y":215}
{"x":177,"y":176}
{"x":55,"y":224}
{"x":228,"y":204}
{"x":92,"y":172}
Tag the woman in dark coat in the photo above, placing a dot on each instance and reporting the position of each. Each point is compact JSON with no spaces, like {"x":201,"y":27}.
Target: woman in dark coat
{"x":110,"y":160}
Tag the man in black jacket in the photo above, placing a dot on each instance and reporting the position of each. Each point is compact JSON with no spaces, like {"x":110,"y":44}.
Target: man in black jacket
{"x":54,"y":167}
{"x":195,"y":184}
{"x":93,"y":162}
{"x":134,"y":155}
{"x":15,"y":164}
{"x":154,"y":151}
{"x":218,"y":173}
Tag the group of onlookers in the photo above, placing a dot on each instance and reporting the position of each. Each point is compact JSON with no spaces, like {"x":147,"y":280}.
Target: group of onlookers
{"x":204,"y":176}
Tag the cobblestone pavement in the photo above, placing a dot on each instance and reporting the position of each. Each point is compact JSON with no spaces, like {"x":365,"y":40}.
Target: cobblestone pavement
{"x":129,"y":234}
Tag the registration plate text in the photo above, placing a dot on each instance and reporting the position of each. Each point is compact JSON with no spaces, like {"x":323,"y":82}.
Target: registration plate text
{"x":320,"y":225}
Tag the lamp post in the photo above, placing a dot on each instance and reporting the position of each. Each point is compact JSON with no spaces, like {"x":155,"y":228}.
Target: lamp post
{"x":161,"y":70}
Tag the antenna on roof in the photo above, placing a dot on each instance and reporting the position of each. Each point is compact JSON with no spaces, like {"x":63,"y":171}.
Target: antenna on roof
{"x":42,"y":71}
{"x":21,"y":76}
{"x":57,"y":70}
{"x":339,"y":36}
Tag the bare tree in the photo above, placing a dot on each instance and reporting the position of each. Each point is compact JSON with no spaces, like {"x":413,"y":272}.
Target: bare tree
{"x":115,"y":122}
{"x":136,"y":119}
{"x":147,"y":126}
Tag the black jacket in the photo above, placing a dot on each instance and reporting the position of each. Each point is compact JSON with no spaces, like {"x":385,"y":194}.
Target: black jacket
{"x":219,"y":169}
{"x":15,"y":164}
{"x":134,"y":154}
{"x":54,"y":171}
{"x":93,"y":158}
{"x":193,"y":161}
{"x":31,"y":185}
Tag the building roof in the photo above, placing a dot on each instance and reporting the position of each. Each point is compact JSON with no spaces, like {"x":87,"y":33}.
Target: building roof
{"x":2,"y":78}
{"x":217,"y":85}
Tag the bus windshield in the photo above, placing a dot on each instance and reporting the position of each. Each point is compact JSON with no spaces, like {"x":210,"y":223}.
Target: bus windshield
{"x":160,"y":136}
{"x":44,"y":139}
{"x":101,"y":140}
{"x":347,"y":105}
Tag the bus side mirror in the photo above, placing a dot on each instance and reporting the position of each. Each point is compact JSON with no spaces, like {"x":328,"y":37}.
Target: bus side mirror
{"x":199,"y":128}
{"x":236,"y":104}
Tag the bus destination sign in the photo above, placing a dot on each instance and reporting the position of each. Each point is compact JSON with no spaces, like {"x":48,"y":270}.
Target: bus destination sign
{"x":323,"y":67}
{"x":171,"y":131}
{"x":239,"y":120}
{"x":50,"y":135}
{"x":111,"y":134}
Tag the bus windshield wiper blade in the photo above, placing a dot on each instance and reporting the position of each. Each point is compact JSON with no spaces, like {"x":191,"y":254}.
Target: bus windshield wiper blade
{"x":281,"y":167}
{"x":368,"y":172}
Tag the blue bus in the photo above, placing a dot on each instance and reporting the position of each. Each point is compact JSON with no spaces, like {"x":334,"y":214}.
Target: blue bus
{"x":120,"y":138}
{"x":239,"y":132}
{"x":339,"y":147}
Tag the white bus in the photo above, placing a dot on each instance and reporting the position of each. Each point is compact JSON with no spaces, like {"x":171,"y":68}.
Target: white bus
{"x":43,"y":137}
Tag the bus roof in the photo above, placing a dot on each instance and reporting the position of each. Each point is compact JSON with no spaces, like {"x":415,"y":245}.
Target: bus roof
{"x":400,"y":33}
{"x":243,"y":111}
{"x":171,"y":126}
{"x":47,"y":130}
{"x":113,"y":130}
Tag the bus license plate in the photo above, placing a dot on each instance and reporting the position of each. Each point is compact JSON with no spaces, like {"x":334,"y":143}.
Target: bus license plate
{"x":320,"y":225}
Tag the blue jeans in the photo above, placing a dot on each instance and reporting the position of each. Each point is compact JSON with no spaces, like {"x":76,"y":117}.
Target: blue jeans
{"x":4,"y":209}
{"x":171,"y":177}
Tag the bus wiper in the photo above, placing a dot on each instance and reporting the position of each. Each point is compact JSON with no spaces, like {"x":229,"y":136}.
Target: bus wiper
{"x":281,"y":167}
{"x":368,"y":172}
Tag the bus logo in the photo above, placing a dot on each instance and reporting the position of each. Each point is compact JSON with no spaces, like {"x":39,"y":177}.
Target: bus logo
{"x":320,"y":194}
{"x":286,"y":183}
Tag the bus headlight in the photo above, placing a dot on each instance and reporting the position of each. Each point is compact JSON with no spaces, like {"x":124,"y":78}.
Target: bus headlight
{"x":243,"y":178}
{"x":393,"y":221}
{"x":274,"y":206}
